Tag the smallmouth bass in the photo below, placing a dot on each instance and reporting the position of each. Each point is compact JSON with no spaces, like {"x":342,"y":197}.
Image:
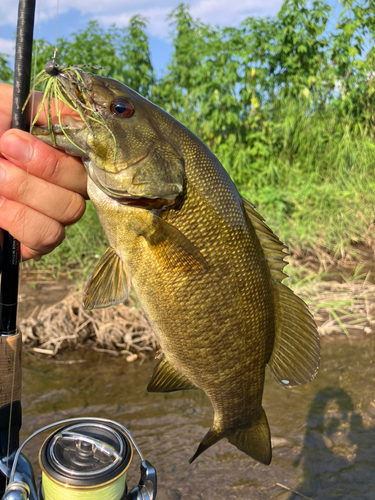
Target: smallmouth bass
{"x":206,"y":268}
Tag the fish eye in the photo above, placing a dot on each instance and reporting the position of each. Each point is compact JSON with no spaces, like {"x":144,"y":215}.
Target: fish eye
{"x":122,"y":107}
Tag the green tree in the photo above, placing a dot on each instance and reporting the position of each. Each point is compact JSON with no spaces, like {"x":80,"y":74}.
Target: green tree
{"x":122,"y":53}
{"x":298,"y":53}
{"x":352,"y":53}
{"x":6,"y":74}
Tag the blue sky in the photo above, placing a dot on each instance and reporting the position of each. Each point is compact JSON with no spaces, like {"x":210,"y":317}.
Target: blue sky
{"x":74,"y":15}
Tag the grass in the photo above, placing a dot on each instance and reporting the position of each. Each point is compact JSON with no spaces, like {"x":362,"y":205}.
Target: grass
{"x":341,"y":303}
{"x":321,"y":194}
{"x":76,"y":257}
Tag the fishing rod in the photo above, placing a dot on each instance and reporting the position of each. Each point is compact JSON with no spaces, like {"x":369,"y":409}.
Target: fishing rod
{"x":10,"y":337}
{"x":85,"y":457}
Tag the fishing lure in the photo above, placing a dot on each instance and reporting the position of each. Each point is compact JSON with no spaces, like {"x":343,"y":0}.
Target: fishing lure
{"x":52,"y":78}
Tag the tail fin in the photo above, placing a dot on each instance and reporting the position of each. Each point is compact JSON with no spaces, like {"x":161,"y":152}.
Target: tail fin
{"x":255,"y":441}
{"x":209,"y":439}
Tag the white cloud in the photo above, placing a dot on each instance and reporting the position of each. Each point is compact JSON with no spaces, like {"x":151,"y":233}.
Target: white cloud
{"x":7,"y":47}
{"x":232,"y":13}
{"x":119,"y":12}
{"x":158,"y":25}
{"x":219,"y":12}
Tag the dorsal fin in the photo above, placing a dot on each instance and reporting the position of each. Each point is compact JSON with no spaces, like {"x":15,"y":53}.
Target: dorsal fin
{"x":273,"y":248}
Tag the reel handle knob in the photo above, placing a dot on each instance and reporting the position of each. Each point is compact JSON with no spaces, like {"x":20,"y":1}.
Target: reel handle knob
{"x":17,"y":491}
{"x":147,"y":487}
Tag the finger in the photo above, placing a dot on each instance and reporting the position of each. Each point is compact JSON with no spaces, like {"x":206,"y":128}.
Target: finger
{"x":54,"y":201}
{"x":26,"y":253}
{"x":43,"y":161}
{"x":36,"y":101}
{"x":29,"y":253}
{"x":6,"y":99}
{"x":38,"y":233}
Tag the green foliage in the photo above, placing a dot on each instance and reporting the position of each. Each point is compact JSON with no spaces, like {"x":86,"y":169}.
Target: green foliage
{"x":353,"y":65}
{"x":285,"y":102}
{"x":6,"y":74}
{"x":84,"y":243}
{"x":321,"y":194}
{"x":298,"y":49}
{"x":122,"y":53}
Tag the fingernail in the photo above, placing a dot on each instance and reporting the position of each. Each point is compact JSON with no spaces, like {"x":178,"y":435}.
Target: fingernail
{"x":17,"y":148}
{"x":1,"y":200}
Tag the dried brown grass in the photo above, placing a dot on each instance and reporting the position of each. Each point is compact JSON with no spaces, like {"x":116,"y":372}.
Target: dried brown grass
{"x":118,"y":330}
{"x":346,"y":307}
{"x":341,"y":307}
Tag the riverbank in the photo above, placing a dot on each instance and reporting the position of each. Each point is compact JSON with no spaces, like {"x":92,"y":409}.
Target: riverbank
{"x":340,"y":296}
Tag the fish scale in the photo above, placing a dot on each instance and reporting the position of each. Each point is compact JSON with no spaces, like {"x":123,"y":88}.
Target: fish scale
{"x":206,"y":268}
{"x":244,"y":296}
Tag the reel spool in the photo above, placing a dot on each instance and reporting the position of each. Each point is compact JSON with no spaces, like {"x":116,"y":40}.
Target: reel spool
{"x":84,"y":460}
{"x":91,"y":458}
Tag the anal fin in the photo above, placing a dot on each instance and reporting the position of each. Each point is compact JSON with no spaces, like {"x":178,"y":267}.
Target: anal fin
{"x":108,"y":285}
{"x":167,"y":379}
{"x":296,"y":351}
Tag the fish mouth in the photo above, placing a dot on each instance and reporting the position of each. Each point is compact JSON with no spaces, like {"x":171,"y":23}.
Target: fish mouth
{"x":124,"y":197}
{"x":70,"y":121}
{"x":154,"y":203}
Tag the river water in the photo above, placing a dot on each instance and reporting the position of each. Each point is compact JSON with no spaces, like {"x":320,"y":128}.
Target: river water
{"x":323,"y":433}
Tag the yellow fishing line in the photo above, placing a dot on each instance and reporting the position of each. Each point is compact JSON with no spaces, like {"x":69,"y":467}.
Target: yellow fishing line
{"x":58,"y":491}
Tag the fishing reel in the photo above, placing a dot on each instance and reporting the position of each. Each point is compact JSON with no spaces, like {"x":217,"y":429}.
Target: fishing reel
{"x":85,"y":458}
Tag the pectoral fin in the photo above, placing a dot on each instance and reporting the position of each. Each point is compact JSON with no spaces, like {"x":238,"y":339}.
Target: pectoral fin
{"x":172,"y":249}
{"x":167,"y":379}
{"x":108,"y":285}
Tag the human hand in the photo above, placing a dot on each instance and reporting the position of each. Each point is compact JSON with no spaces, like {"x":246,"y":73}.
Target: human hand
{"x":42,"y":189}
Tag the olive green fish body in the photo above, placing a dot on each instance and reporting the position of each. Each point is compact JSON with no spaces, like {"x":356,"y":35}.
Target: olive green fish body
{"x":217,"y":310}
{"x":205,"y":267}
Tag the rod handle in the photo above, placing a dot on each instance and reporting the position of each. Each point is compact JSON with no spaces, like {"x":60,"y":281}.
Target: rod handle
{"x":10,"y":368}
